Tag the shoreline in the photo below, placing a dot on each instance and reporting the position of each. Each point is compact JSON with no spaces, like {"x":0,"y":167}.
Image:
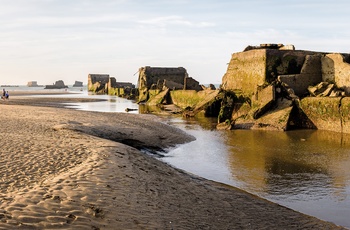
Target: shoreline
{"x":75,"y":169}
{"x":14,"y":92}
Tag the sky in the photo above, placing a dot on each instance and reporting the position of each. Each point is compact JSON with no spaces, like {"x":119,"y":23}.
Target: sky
{"x":51,"y":40}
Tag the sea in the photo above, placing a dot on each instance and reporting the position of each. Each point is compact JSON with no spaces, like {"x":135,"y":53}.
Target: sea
{"x":305,"y":170}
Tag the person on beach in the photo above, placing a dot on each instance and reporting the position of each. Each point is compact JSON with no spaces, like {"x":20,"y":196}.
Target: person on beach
{"x":3,"y":94}
{"x":7,"y":95}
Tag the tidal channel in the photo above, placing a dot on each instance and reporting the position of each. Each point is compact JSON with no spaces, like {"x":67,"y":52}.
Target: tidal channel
{"x":305,"y":170}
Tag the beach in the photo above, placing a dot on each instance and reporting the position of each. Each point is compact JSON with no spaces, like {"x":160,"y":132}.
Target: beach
{"x":68,"y":169}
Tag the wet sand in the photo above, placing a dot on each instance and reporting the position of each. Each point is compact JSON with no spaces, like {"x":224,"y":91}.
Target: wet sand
{"x":68,"y":169}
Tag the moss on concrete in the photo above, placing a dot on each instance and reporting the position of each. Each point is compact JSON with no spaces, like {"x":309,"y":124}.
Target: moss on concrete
{"x":158,"y":99}
{"x":345,"y":114}
{"x":186,"y":98}
{"x":323,"y":112}
{"x":228,"y":105}
{"x":116,"y":91}
{"x":245,"y":71}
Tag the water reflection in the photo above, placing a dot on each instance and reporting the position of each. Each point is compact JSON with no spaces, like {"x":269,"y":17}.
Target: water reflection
{"x":108,"y":104}
{"x":304,"y":170}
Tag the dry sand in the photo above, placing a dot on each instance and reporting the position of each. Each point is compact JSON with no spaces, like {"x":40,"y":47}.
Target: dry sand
{"x":67,"y":169}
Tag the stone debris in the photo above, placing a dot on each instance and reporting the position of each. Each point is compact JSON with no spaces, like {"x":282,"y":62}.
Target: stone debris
{"x":325,"y":89}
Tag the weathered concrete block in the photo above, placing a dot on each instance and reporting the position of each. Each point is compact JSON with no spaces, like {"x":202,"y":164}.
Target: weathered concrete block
{"x":263,"y":100}
{"x":300,"y":82}
{"x":328,"y":91}
{"x":284,"y":62}
{"x":327,"y":69}
{"x":78,"y":84}
{"x":97,"y":83}
{"x":153,"y":93}
{"x":275,"y":119}
{"x":336,"y":69}
{"x":311,"y":74}
{"x":191,"y":84}
{"x":245,"y":71}
{"x":112,"y":83}
{"x":323,"y":112}
{"x":288,"y":47}
{"x":32,"y":84}
{"x":345,"y":114}
{"x":208,"y":97}
{"x":58,"y":85}
{"x":241,"y":110}
{"x":149,"y":76}
{"x":318,"y":89}
{"x":253,"y":68}
{"x":158,"y":98}
{"x":167,"y":84}
{"x":186,"y":98}
{"x":312,"y":65}
{"x":115,"y":88}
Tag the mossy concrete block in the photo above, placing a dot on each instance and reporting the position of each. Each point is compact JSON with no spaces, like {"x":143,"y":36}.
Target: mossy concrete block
{"x":97,"y":83}
{"x":275,"y":119}
{"x":113,"y":91}
{"x":153,"y":92}
{"x":151,"y":76}
{"x":241,"y":110}
{"x":253,"y":68}
{"x":207,"y":97}
{"x":116,"y":91}
{"x":323,"y":112}
{"x":245,"y":71}
{"x":311,"y":74}
{"x":300,"y":82}
{"x":345,"y":114}
{"x":143,"y":95}
{"x":263,"y":100}
{"x":335,"y":68}
{"x":186,"y":98}
{"x":158,"y":98}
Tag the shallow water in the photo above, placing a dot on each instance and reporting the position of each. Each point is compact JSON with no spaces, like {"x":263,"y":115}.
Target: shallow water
{"x":306,"y":170}
{"x":108,"y":103}
{"x":112,"y":104}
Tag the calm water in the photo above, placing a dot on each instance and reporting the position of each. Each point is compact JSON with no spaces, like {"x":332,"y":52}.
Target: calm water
{"x":308,"y":171}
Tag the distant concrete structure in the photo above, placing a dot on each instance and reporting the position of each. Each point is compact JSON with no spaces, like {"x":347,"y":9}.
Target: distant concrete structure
{"x":121,"y":89}
{"x":58,"y":85}
{"x":33,"y":84}
{"x":78,"y":84}
{"x":150,"y":76}
{"x":97,"y":83}
{"x":104,"y":84}
{"x":114,"y":84}
{"x":191,"y":84}
{"x":161,"y":78}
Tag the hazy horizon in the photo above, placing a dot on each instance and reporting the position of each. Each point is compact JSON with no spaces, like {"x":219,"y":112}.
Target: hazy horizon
{"x":50,"y":40}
